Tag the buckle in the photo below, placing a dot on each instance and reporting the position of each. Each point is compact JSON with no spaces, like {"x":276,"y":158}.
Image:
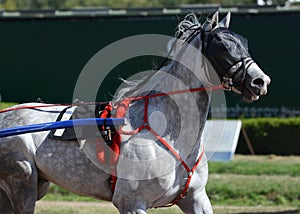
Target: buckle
{"x":227,"y":83}
{"x":107,"y":136}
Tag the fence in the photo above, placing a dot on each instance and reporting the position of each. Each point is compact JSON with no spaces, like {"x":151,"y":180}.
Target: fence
{"x":43,"y":52}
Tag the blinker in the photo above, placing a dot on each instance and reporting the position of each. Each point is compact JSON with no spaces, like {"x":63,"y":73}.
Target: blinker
{"x":224,"y":49}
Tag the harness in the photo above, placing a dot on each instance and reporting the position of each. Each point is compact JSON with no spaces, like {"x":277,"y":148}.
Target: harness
{"x":112,"y":137}
{"x":215,"y":51}
{"x":114,"y":144}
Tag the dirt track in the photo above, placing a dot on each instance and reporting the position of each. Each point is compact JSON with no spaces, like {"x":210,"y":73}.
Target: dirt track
{"x":74,"y":204}
{"x":99,"y":207}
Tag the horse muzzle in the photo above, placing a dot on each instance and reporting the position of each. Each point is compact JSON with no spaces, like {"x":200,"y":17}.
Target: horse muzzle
{"x":256,"y":84}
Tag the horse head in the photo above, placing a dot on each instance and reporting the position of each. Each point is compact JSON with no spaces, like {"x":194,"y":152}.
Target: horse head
{"x":228,"y":54}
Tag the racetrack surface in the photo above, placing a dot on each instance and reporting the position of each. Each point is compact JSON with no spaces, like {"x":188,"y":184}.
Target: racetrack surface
{"x":52,"y":207}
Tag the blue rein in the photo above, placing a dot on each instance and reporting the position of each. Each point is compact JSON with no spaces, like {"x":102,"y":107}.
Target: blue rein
{"x":60,"y":125}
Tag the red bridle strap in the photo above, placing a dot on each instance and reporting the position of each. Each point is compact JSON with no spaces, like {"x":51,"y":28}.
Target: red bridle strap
{"x":191,"y":90}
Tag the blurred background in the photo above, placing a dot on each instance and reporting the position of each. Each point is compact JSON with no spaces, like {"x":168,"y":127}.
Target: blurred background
{"x":57,"y":4}
{"x":45,"y":44}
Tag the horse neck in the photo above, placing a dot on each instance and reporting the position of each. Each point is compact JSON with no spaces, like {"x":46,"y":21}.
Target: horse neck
{"x":190,"y":109}
{"x":181,"y":117}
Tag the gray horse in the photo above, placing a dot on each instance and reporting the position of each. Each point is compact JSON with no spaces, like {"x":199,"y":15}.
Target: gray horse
{"x":149,"y":174}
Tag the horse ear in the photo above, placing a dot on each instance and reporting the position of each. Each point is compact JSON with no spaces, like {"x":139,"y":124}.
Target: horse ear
{"x":215,"y":20}
{"x":225,"y":21}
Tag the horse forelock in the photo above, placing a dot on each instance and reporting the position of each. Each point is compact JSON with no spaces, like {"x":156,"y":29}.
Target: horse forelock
{"x":187,"y":26}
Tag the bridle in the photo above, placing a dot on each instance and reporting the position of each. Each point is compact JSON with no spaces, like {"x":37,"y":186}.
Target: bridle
{"x":237,"y":67}
{"x":228,"y":83}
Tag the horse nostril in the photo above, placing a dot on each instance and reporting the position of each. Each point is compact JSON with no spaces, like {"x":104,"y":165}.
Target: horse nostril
{"x":258,"y":82}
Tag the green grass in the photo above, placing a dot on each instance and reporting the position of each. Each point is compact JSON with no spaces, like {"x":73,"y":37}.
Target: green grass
{"x":255,"y":180}
{"x":56,"y":193}
{"x":260,"y":165}
{"x":253,"y":190}
{"x":4,"y":105}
